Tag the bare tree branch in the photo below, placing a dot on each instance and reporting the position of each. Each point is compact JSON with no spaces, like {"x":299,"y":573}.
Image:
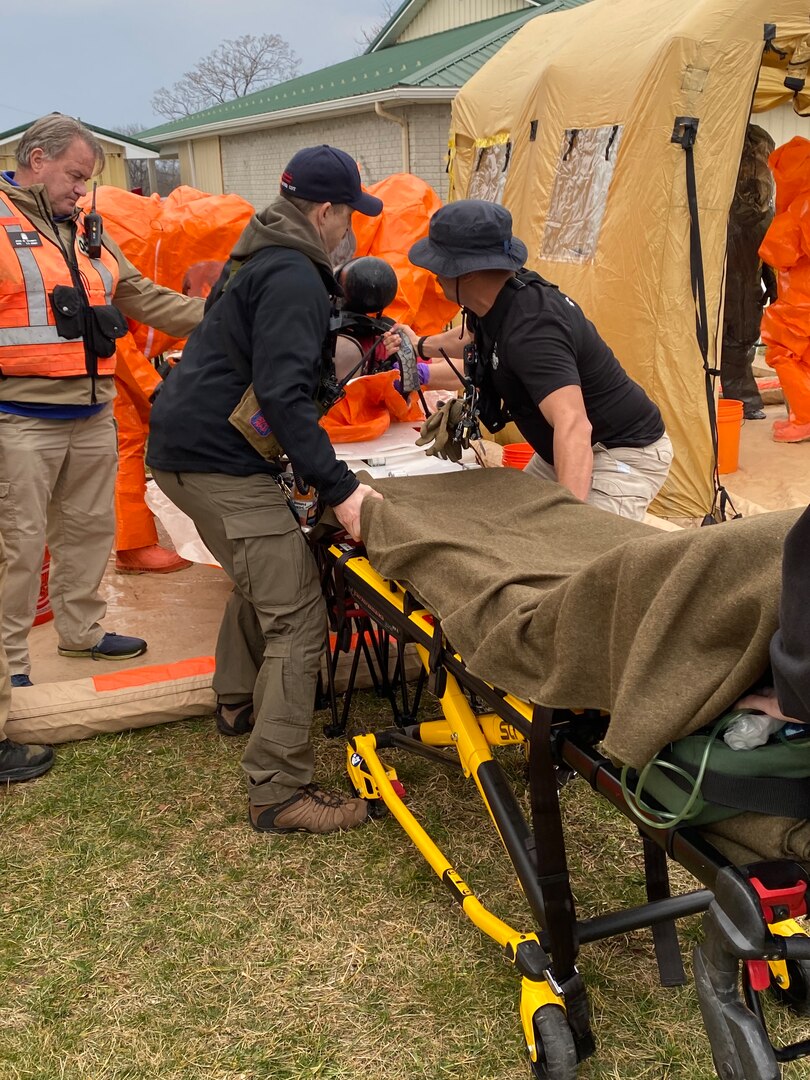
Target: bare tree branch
{"x":369,"y":33}
{"x":234,"y":69}
{"x":167,"y":170}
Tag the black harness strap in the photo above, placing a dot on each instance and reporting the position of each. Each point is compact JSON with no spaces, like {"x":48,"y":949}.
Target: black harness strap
{"x":665,"y":934}
{"x":772,"y":795}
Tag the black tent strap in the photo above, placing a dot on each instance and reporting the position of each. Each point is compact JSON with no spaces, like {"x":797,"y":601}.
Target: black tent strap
{"x":684,"y":134}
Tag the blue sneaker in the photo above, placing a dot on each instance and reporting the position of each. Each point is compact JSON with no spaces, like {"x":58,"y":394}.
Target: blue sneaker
{"x":20,"y":680}
{"x":111,"y":647}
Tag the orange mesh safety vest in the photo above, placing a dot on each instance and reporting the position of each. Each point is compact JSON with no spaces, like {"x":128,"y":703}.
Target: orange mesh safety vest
{"x":30,"y":266}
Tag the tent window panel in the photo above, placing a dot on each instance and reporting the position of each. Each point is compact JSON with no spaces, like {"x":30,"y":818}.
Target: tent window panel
{"x":489,"y":174}
{"x":579,"y":198}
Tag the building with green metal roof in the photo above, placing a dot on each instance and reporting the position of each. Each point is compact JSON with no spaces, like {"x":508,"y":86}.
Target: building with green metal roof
{"x":389,"y":107}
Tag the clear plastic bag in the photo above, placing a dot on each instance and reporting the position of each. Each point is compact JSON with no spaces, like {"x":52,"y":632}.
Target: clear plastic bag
{"x":181,"y":529}
{"x":751,"y":729}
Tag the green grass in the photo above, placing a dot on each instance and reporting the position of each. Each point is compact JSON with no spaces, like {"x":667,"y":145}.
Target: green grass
{"x":147,"y":932}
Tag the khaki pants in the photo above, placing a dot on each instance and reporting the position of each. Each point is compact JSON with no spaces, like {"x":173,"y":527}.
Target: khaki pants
{"x":57,"y":479}
{"x":274,"y":627}
{"x":625,"y":480}
{"x":5,"y":684}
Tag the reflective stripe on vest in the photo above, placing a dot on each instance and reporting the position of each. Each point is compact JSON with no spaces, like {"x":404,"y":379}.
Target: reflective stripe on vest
{"x":32,"y":276}
{"x":31,"y":335}
{"x":106,"y":279}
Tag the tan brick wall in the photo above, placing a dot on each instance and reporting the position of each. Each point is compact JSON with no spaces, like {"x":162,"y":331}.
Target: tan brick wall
{"x":252,"y":162}
{"x":430,"y":126}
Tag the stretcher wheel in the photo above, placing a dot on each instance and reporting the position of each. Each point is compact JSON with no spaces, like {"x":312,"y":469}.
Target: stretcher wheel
{"x":556,"y":1053}
{"x":797,"y":995}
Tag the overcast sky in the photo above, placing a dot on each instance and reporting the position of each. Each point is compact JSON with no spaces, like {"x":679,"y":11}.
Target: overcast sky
{"x":102,"y":60}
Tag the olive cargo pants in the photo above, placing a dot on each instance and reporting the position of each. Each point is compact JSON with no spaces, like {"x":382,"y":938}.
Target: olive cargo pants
{"x":274,"y":626}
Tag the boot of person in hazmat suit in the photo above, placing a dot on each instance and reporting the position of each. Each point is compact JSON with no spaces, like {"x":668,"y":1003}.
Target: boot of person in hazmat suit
{"x":750,"y":283}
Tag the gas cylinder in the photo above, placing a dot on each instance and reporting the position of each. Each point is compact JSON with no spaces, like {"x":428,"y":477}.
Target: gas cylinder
{"x":304,"y":501}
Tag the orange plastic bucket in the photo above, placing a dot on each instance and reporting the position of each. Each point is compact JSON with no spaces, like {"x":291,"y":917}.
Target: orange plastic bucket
{"x":516,"y":455}
{"x":729,"y":425}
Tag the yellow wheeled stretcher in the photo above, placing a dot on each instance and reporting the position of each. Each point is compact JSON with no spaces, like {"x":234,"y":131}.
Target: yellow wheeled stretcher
{"x":752,"y":941}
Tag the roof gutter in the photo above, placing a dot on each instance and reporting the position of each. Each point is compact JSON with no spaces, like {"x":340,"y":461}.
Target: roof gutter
{"x":406,"y":137}
{"x":403,"y":95}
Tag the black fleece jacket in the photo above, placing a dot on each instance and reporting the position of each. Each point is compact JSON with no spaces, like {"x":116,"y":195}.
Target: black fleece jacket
{"x":790,"y":645}
{"x":275,"y":314}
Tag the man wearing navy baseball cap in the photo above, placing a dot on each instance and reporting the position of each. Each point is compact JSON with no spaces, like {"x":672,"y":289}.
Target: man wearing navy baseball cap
{"x":250,"y":388}
{"x":324,"y":174}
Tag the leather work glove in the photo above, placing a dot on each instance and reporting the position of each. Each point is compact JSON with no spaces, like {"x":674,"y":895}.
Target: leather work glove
{"x":439,"y":428}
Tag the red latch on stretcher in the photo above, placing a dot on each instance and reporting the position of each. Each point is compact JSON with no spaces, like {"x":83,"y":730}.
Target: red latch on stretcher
{"x":399,"y":790}
{"x":759,"y":974}
{"x":780,"y":904}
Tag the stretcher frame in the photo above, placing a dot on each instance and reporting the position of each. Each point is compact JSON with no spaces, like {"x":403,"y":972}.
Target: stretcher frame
{"x":752,"y":941}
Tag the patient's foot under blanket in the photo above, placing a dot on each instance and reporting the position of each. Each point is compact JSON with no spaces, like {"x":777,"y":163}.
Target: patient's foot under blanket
{"x":569,"y":606}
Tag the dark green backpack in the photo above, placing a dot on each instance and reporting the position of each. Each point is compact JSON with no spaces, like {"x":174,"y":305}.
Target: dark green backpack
{"x":700,"y":779}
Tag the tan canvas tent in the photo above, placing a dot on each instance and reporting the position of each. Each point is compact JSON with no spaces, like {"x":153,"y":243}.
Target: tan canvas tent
{"x":571,"y":126}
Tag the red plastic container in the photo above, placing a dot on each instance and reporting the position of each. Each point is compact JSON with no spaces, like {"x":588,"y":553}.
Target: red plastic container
{"x":517,"y":455}
{"x":44,"y":613}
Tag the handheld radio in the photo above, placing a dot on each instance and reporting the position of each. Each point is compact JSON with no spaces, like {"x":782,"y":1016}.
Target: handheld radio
{"x":93,"y":228}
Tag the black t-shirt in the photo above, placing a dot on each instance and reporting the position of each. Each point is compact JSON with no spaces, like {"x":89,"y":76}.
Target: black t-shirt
{"x":544,"y":342}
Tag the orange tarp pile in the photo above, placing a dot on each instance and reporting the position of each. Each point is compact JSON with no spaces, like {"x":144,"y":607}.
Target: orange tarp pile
{"x":164,"y":237}
{"x":371,"y":403}
{"x":408,"y":205}
{"x":786,"y":247}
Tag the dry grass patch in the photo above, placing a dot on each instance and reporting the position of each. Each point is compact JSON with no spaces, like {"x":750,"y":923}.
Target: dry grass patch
{"x":148,"y":932}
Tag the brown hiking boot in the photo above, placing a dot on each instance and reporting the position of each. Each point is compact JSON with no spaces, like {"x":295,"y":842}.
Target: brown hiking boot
{"x":311,"y":809}
{"x":19,"y":762}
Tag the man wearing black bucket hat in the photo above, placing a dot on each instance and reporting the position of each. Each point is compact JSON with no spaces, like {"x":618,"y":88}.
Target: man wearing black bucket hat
{"x":540,"y":362}
{"x":264,"y":338}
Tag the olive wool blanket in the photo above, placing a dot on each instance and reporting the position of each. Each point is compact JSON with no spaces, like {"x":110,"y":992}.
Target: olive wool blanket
{"x":566,"y":605}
